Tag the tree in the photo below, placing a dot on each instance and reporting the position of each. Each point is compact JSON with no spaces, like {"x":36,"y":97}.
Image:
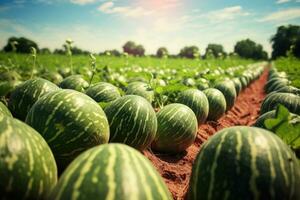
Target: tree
{"x":214,"y":50}
{"x":189,"y":52}
{"x":296,"y":49}
{"x":22,"y":45}
{"x":139,"y":50}
{"x":113,"y":52}
{"x":45,"y":51}
{"x":249,"y":49}
{"x":132,"y":49}
{"x":161,"y":52}
{"x":284,"y":39}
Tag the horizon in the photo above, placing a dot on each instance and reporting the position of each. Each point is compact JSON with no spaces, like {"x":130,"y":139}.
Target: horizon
{"x":98,"y":25}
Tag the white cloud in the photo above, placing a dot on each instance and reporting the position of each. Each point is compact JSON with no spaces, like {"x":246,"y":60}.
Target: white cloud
{"x":82,"y":2}
{"x":282,"y":1}
{"x":129,"y":11}
{"x":228,"y":13}
{"x":282,"y":15}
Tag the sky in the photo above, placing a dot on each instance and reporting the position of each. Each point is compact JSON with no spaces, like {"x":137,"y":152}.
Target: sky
{"x":98,"y":25}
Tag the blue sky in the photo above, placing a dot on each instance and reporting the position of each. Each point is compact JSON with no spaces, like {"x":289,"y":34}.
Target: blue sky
{"x":97,"y":25}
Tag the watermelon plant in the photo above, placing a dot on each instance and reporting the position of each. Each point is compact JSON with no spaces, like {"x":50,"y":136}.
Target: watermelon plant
{"x":111,"y":171}
{"x":245,"y":162}
{"x":132,"y":121}
{"x":27,"y":166}
{"x":25,"y":95}
{"x":217,"y":103}
{"x":74,"y":82}
{"x":103,"y":92}
{"x":197,"y":101}
{"x":177,"y":129}
{"x":70,"y":122}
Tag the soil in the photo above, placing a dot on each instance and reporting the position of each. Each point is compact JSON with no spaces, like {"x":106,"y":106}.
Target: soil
{"x":176,"y":169}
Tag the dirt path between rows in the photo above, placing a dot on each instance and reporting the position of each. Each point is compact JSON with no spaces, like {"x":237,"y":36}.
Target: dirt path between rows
{"x":176,"y":169}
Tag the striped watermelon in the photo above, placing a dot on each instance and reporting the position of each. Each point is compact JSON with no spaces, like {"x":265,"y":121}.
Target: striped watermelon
{"x":9,"y":80}
{"x":103,"y":92}
{"x":217,"y":103}
{"x":237,"y":85}
{"x":4,"y":110}
{"x":290,"y":101}
{"x":111,"y":171}
{"x":132,"y":121}
{"x":228,"y":89}
{"x":244,"y":82}
{"x":245,"y":163}
{"x":26,"y":94}
{"x":27,"y":166}
{"x":74,"y":82}
{"x":140,"y":89}
{"x":54,"y":77}
{"x":177,"y":129}
{"x":197,"y":101}
{"x":260,"y":122}
{"x":70,"y":122}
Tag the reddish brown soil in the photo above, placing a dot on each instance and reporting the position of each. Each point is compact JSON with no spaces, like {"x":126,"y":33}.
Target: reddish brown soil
{"x":176,"y":169}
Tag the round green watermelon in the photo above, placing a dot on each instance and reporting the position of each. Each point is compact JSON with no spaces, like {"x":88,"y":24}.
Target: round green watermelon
{"x":4,"y":110}
{"x":217,"y":103}
{"x":140,"y":89}
{"x":27,"y":166}
{"x":245,"y":163}
{"x":237,"y":85}
{"x":103,"y":92}
{"x":54,"y":77}
{"x":290,"y":101}
{"x":197,"y":101}
{"x":26,"y":94}
{"x":229,"y":92}
{"x":111,"y":171}
{"x":132,"y":121}
{"x":70,"y":122}
{"x":74,"y":82}
{"x":177,"y":129}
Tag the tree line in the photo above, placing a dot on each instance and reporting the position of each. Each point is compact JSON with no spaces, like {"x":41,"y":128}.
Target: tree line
{"x":285,"y":41}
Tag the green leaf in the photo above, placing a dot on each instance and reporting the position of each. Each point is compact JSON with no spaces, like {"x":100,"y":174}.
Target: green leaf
{"x":286,"y":126}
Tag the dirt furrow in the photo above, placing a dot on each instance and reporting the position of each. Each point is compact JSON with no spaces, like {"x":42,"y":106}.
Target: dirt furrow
{"x":176,"y":169}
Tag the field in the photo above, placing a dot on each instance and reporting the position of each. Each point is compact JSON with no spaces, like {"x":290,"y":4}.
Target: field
{"x":204,"y":125}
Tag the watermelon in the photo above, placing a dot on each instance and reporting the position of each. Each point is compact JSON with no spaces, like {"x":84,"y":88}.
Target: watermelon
{"x":54,"y":77}
{"x":74,"y":82}
{"x":65,"y":71}
{"x":289,"y":89}
{"x":229,"y":92}
{"x":4,"y":110}
{"x":237,"y":85}
{"x":103,"y":92}
{"x":244,"y":82}
{"x":9,"y":80}
{"x":132,"y":121}
{"x":111,"y":171}
{"x":245,"y":163}
{"x":140,"y":89}
{"x":261,"y":120}
{"x":26,"y":94}
{"x":197,"y":101}
{"x":177,"y":129}
{"x":275,"y":82}
{"x":70,"y":122}
{"x":217,"y":103}
{"x":290,"y":101}
{"x":27,"y":166}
